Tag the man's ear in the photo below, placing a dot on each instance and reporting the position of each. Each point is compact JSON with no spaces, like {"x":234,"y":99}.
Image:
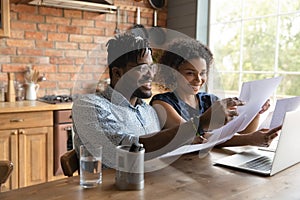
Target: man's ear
{"x":116,"y":72}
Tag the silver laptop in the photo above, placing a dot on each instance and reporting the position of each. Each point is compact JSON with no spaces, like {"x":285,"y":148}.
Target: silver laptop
{"x":268,"y":163}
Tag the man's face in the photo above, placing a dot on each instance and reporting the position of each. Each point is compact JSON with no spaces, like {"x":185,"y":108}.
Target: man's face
{"x":137,"y":78}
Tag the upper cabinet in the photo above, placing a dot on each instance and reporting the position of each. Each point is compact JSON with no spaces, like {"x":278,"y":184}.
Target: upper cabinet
{"x":4,"y":18}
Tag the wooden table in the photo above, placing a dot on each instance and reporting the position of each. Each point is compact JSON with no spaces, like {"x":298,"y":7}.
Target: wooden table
{"x":190,"y":177}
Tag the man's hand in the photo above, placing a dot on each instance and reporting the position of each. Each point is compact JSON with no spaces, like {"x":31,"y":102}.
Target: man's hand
{"x":220,"y":113}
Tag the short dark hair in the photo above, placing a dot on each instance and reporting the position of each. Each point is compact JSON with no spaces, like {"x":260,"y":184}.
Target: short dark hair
{"x":124,"y":48}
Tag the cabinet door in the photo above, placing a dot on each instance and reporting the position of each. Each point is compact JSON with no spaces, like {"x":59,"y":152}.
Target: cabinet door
{"x":9,"y":151}
{"x":34,"y":155}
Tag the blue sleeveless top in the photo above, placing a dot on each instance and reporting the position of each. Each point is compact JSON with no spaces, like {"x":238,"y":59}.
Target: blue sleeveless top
{"x":183,"y":109}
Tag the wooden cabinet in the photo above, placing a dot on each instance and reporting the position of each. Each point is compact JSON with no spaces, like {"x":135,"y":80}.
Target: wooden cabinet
{"x":27,"y":140}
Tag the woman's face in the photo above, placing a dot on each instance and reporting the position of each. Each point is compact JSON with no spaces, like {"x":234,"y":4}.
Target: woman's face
{"x":193,"y":75}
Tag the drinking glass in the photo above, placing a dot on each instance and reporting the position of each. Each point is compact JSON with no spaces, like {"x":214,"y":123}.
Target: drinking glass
{"x":90,"y":166}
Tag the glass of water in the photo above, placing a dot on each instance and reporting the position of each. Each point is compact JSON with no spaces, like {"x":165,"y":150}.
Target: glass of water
{"x":90,"y":166}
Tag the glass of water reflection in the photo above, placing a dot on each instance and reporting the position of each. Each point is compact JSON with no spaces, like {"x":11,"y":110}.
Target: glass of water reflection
{"x":90,"y":166}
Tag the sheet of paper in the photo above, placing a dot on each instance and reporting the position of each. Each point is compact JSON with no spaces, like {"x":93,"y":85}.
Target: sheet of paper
{"x":255,"y":93}
{"x":283,"y":106}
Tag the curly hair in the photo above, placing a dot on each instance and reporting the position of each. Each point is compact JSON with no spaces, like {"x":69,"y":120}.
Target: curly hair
{"x":124,"y":48}
{"x":180,"y":51}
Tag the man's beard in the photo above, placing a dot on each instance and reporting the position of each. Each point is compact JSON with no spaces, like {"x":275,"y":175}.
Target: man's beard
{"x":140,"y":94}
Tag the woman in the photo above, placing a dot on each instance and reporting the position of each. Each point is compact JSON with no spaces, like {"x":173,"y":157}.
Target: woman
{"x":188,"y":61}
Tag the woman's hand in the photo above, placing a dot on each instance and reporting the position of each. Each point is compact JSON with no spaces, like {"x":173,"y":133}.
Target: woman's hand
{"x":265,"y":107}
{"x":199,"y":139}
{"x":263,"y":137}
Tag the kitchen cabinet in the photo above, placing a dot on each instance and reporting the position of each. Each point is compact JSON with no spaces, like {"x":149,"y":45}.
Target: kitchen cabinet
{"x":26,"y":138}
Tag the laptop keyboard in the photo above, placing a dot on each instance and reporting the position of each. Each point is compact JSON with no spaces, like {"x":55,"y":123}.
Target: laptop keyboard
{"x":262,"y":163}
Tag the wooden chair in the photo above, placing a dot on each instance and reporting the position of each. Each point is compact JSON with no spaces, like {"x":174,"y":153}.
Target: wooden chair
{"x":69,"y":163}
{"x":6,"y":168}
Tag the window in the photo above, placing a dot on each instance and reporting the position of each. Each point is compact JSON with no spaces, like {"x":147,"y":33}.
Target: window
{"x":255,"y":39}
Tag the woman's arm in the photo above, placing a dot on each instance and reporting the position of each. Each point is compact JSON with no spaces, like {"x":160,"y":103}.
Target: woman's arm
{"x":167,"y":115}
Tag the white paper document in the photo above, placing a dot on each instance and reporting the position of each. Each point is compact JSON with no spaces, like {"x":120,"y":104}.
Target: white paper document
{"x":282,"y":106}
{"x":255,"y":94}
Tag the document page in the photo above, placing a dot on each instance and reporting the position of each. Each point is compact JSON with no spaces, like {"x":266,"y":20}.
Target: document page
{"x":255,"y":94}
{"x":282,"y":106}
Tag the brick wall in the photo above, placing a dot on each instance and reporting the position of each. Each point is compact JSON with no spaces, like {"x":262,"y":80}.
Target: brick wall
{"x":68,"y":46}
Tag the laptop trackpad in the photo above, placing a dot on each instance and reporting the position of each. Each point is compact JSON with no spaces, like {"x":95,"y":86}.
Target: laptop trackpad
{"x":238,"y":159}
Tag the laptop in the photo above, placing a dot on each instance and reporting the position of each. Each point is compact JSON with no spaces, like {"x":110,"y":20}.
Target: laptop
{"x":268,"y":163}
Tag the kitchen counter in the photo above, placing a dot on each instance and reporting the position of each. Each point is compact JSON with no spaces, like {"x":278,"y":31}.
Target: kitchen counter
{"x":28,"y":106}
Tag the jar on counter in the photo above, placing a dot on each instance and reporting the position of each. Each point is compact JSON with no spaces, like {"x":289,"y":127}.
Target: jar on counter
{"x":2,"y":94}
{"x":20,"y":92}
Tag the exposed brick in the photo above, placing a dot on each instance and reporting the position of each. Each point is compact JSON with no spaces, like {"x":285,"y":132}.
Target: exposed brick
{"x":83,"y":76}
{"x":93,"y":31}
{"x":4,"y":59}
{"x":93,"y":16}
{"x":32,"y":52}
{"x":58,"y":37}
{"x":20,"y":43}
{"x":46,"y":68}
{"x":22,"y":8}
{"x":35,"y":35}
{"x":18,"y":25}
{"x":69,"y":29}
{"x":24,"y":59}
{"x":65,"y":84}
{"x":69,"y":68}
{"x":61,"y":60}
{"x":96,"y":69}
{"x":81,"y":38}
{"x":13,"y":16}
{"x":81,"y":22}
{"x":57,"y":20}
{"x":31,"y":18}
{"x":51,"y":11}
{"x":47,"y":27}
{"x":48,"y":84}
{"x":17,"y":34}
{"x":76,"y":53}
{"x":103,"y":24}
{"x":8,"y":51}
{"x":66,"y":45}
{"x":101,"y":39}
{"x":59,"y":77}
{"x":73,"y":14}
{"x":53,"y":52}
{"x":45,"y":44}
{"x":13,"y":67}
{"x":87,"y":46}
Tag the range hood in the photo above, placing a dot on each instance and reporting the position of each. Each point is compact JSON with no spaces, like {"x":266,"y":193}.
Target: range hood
{"x":102,"y":6}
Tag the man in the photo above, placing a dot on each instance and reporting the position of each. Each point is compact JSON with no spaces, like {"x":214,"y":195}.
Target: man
{"x":119,"y":116}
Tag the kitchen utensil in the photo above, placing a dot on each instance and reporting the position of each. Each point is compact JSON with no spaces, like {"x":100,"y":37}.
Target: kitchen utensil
{"x":158,"y":4}
{"x":139,"y":29}
{"x":117,"y":30}
{"x":156,"y":34}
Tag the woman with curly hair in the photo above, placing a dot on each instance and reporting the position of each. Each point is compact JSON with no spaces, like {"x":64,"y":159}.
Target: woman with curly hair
{"x":184,"y":71}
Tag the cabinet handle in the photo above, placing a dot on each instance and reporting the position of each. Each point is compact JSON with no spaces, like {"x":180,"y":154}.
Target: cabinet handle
{"x":22,"y":131}
{"x":16,"y":120}
{"x":14,"y":132}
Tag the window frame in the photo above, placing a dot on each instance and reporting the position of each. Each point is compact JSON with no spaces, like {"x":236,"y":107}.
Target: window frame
{"x":5,"y":19}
